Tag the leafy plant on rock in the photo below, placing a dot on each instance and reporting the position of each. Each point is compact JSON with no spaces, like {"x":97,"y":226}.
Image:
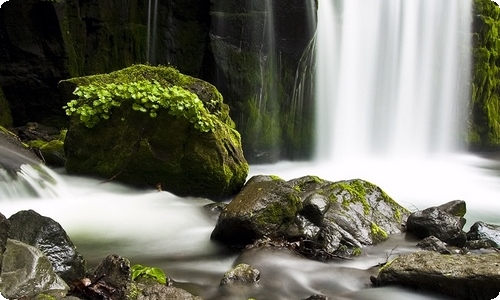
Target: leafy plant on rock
{"x":140,"y":271}
{"x":95,"y":102}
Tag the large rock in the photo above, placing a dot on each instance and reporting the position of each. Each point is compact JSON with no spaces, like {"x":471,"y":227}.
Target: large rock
{"x":47,"y":235}
{"x":26,"y":272}
{"x":318,"y":218}
{"x":439,"y":222}
{"x":460,"y":276}
{"x":184,"y":141}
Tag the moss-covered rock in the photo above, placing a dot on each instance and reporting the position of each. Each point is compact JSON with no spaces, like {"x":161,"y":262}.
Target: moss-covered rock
{"x":131,"y":144}
{"x":319,"y":218}
{"x":484,"y":119}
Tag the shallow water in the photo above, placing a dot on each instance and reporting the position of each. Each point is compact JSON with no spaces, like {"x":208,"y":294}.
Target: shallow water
{"x":173,"y":233}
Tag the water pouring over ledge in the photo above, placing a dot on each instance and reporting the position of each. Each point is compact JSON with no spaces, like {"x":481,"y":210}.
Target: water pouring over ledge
{"x":172,"y":233}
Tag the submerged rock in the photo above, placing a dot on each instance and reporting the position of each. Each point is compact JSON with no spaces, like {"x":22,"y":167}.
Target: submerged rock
{"x":460,"y":276}
{"x":153,"y":126}
{"x":27,"y":272}
{"x":242,"y":273}
{"x":47,"y":235}
{"x":317,"y":218}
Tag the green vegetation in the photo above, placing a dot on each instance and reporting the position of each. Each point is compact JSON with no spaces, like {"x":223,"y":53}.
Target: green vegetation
{"x":484,"y":119}
{"x":378,"y":234}
{"x":140,"y":271}
{"x":96,"y":101}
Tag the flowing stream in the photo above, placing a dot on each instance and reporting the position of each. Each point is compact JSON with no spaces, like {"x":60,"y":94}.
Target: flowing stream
{"x":382,"y":137}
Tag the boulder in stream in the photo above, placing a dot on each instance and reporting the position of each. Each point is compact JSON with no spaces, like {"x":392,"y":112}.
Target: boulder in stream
{"x":469,"y":276}
{"x":317,"y":218}
{"x":444,"y":222}
{"x":153,"y":126}
{"x":26,"y":272}
{"x":47,"y":235}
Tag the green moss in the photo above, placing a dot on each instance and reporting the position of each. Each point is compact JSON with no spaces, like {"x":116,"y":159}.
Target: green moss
{"x":352,"y":191}
{"x":378,"y":234}
{"x":45,"y":297}
{"x":484,"y":119}
{"x":356,"y":251}
{"x":276,"y":178}
{"x":278,"y":213}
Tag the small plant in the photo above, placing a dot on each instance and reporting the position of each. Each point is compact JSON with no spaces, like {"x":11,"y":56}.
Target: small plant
{"x":140,"y":271}
{"x":95,"y":102}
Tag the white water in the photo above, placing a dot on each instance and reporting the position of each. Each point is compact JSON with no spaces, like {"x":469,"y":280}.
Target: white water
{"x":173,"y":233}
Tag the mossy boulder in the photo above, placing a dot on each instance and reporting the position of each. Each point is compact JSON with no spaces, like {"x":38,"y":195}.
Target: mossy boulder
{"x":169,"y":130}
{"x":316,"y":217}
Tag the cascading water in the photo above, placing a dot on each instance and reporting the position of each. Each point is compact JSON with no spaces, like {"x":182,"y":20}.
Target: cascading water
{"x":392,"y":76}
{"x":152,"y":31}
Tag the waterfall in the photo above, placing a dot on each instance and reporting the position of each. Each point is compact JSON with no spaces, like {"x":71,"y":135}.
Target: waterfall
{"x":152,"y":31}
{"x":21,"y":176}
{"x":393,"y":77}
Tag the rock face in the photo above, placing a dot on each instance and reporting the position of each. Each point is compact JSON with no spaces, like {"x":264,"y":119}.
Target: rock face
{"x":460,"y":276}
{"x":483,"y":135}
{"x":263,"y":63}
{"x":264,"y":66}
{"x":172,"y":131}
{"x":317,"y":218}
{"x":444,"y":222}
{"x":26,"y":272}
{"x":47,"y":235}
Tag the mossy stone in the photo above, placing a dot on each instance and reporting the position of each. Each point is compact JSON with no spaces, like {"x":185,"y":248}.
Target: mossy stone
{"x":135,"y":148}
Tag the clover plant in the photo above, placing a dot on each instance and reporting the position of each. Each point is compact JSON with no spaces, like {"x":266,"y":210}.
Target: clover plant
{"x":157,"y":274}
{"x":95,"y":102}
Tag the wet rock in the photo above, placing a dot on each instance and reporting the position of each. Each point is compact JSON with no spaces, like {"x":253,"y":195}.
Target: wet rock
{"x":457,"y":208}
{"x":47,"y":235}
{"x":432,"y":243}
{"x":484,"y":235}
{"x":27,"y":272}
{"x":439,"y":223}
{"x":111,"y":279}
{"x":465,"y":277}
{"x":241,"y":274}
{"x":180,"y":138}
{"x":4,"y":235}
{"x":317,"y":297}
{"x":318,"y":218}
{"x":163,"y":292}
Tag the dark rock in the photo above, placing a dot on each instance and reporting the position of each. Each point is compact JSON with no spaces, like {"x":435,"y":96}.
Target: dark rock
{"x":432,"y":243}
{"x":4,"y":235}
{"x":434,"y":221}
{"x":166,"y":149}
{"x":317,"y":297}
{"x":47,"y":235}
{"x":456,"y":208}
{"x":317,"y":218}
{"x":26,"y":272}
{"x":163,"y":292}
{"x":111,"y":279}
{"x":484,"y":234}
{"x":13,"y":152}
{"x":241,"y":274}
{"x":460,"y":276}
